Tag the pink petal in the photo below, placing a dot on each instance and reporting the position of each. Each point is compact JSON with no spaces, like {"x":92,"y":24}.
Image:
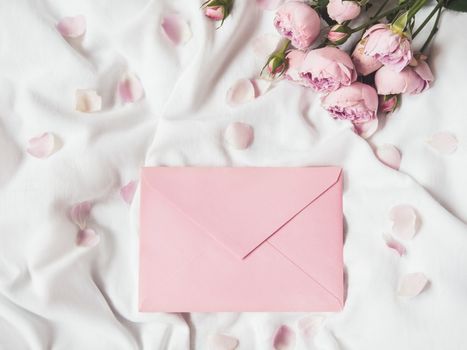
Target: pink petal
{"x":239,"y":135}
{"x":130,"y":88}
{"x":264,"y":45}
{"x":222,"y":342}
{"x":412,"y":284}
{"x":284,"y":338}
{"x":310,"y":325}
{"x":393,"y":244}
{"x":444,"y":142}
{"x":72,"y":27}
{"x":269,"y":4}
{"x":79,"y":213}
{"x":405,"y":221}
{"x":366,"y":129}
{"x":241,"y":92}
{"x":87,"y":238}
{"x":87,"y":101}
{"x":128,"y":191}
{"x":261,"y":86}
{"x":176,"y":29}
{"x":42,"y":146}
{"x":389,"y":155}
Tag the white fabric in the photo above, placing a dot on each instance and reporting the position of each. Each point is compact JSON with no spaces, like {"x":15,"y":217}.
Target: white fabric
{"x":54,"y":294}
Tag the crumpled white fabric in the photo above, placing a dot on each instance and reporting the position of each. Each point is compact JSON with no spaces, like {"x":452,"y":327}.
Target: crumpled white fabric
{"x":56,"y":295}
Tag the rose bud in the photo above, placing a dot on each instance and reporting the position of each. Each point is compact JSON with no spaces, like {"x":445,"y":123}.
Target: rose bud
{"x":357,"y":103}
{"x":388,"y":103}
{"x":364,"y":64}
{"x":277,"y":63}
{"x":217,"y":10}
{"x":343,"y":10}
{"x":298,"y":22}
{"x":327,"y":69}
{"x":411,"y":80}
{"x":295,"y":60}
{"x":338,"y":34}
{"x":389,"y":47}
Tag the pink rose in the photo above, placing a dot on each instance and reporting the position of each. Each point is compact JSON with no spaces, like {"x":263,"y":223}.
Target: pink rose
{"x":327,"y":69}
{"x":216,"y":13}
{"x":357,"y":103}
{"x":412,"y":80}
{"x":364,"y":64}
{"x":388,"y":103}
{"x":343,"y":10}
{"x":298,"y":22}
{"x":338,"y":34}
{"x":390,"y":48}
{"x":295,"y":60}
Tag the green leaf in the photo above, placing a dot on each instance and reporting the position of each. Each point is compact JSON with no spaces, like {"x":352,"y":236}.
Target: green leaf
{"x":457,"y":5}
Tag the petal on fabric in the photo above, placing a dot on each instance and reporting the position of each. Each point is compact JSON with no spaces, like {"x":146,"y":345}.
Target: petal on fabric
{"x":264,"y":45}
{"x":366,"y":129}
{"x":393,"y":244}
{"x":128,"y":191}
{"x":87,"y":238}
{"x":42,"y":146}
{"x":222,"y":342}
{"x":130,"y":88}
{"x":87,"y":101}
{"x":405,"y":221}
{"x":412,"y":284}
{"x":176,"y":29}
{"x":310,"y":325}
{"x":284,"y":339}
{"x":72,"y":27}
{"x":241,"y":92}
{"x":79,"y":213}
{"x":239,"y":135}
{"x":389,"y":155}
{"x":269,"y":4}
{"x":444,"y":142}
{"x":261,"y":86}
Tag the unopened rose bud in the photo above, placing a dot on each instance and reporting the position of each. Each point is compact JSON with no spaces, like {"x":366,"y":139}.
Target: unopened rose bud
{"x":276,"y":65}
{"x":217,"y":10}
{"x":388,"y":103}
{"x":216,"y":13}
{"x":339,"y":34}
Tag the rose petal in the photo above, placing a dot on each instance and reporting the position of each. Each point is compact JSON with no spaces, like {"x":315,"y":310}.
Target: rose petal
{"x":241,"y":92}
{"x":42,"y":146}
{"x":176,"y":28}
{"x":72,"y":27}
{"x":393,"y":244}
{"x":264,"y":45}
{"x":87,"y":101}
{"x":269,"y":4}
{"x":284,"y":338}
{"x":366,"y":129}
{"x":130,"y":88}
{"x":222,"y":342}
{"x":310,"y":325}
{"x":405,"y":221}
{"x":87,"y":238}
{"x":79,"y":213}
{"x":261,"y":86}
{"x":444,"y":142}
{"x":389,"y":155}
{"x":128,"y":191}
{"x":412,"y":284}
{"x":239,"y":135}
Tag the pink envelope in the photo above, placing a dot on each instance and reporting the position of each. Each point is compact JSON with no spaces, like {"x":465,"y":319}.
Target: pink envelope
{"x":241,"y":239}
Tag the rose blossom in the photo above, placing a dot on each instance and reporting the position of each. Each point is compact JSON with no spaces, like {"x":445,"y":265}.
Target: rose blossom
{"x":327,"y":69}
{"x":295,"y":60}
{"x":364,"y":64}
{"x":357,"y":103}
{"x":343,"y":10}
{"x":215,"y":13}
{"x":390,"y":48}
{"x":298,"y":22}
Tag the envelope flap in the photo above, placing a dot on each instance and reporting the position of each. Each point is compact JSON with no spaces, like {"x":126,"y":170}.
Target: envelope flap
{"x":240,"y":207}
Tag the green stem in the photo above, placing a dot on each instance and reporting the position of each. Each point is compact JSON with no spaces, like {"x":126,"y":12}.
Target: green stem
{"x":383,"y":5}
{"x":415,"y":8}
{"x":433,"y":31}
{"x":378,"y":17}
{"x":425,"y":22}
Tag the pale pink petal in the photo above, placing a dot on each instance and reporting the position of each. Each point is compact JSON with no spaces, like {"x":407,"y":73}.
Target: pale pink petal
{"x":79,"y":213}
{"x":366,"y":129}
{"x":72,"y":27}
{"x":130,"y":88}
{"x":405,"y":221}
{"x":444,"y":142}
{"x":284,"y":339}
{"x":264,"y":45}
{"x":412,"y":284}
{"x":269,"y":4}
{"x":241,"y":92}
{"x":222,"y":342}
{"x":176,"y":28}
{"x":87,"y":238}
{"x":393,"y":244}
{"x":389,"y":155}
{"x":42,"y":146}
{"x":128,"y":191}
{"x":87,"y":101}
{"x":239,"y":135}
{"x":310,"y":325}
{"x":261,"y":86}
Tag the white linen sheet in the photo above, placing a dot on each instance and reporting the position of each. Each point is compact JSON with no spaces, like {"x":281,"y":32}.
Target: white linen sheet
{"x":56,"y":295}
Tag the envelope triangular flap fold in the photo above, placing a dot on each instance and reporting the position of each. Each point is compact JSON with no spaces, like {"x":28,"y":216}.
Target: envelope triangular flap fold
{"x":241,"y":207}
